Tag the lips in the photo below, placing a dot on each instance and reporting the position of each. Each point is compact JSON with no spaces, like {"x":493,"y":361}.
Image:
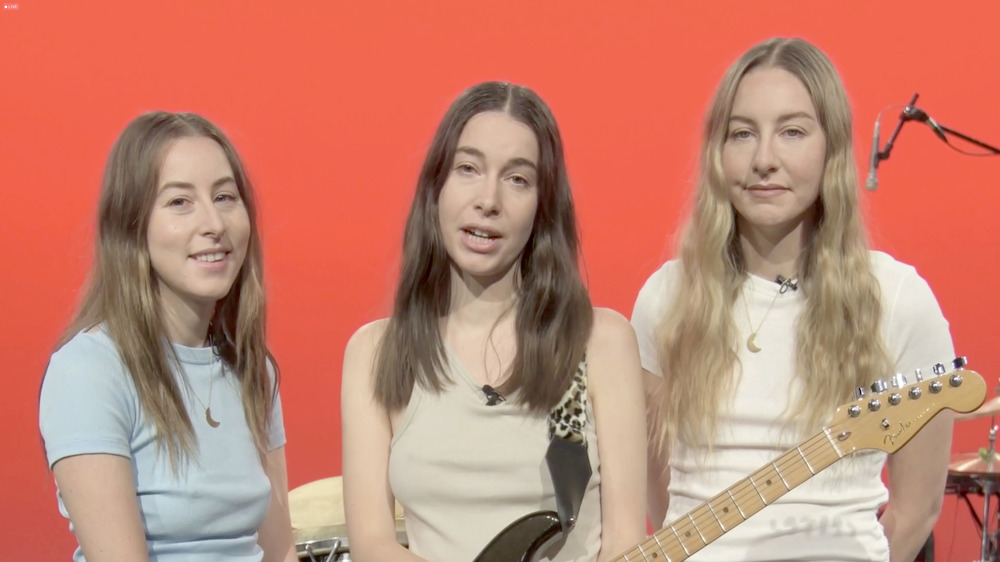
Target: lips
{"x":483,"y":234}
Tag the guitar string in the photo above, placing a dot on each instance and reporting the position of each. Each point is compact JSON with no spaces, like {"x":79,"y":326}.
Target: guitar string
{"x":747,"y":491}
{"x":794,"y":468}
{"x":742,"y":492}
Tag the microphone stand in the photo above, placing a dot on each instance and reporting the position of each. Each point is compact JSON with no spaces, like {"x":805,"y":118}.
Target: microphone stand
{"x":913,"y":113}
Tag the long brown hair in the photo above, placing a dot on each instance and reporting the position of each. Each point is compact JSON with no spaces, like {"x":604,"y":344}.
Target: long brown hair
{"x":123,"y":293}
{"x":842,"y":307}
{"x":553,"y":311}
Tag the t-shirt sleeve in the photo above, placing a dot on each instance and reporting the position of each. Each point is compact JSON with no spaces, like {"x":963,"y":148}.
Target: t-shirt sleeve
{"x":646,"y":315}
{"x":276,"y":426}
{"x":918,"y":334}
{"x":87,"y":404}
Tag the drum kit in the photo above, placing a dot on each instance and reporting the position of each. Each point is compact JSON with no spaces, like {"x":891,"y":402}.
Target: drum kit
{"x":979,"y":474}
{"x":318,"y":523}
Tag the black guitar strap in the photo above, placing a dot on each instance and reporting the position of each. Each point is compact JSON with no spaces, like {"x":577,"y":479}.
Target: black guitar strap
{"x":566,"y":456}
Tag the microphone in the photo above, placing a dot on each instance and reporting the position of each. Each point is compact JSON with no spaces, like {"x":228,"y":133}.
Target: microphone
{"x":872,"y":183}
{"x":787,"y":284}
{"x":920,"y":115}
{"x":492,"y":396}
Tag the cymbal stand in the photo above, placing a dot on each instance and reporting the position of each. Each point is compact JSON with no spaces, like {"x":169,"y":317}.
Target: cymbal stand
{"x":987,"y":492}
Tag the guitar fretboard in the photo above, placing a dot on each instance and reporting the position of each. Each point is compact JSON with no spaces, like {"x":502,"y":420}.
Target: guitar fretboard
{"x":711,"y":520}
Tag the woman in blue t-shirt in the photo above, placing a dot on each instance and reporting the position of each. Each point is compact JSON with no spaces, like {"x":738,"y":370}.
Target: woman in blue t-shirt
{"x":159,"y":409}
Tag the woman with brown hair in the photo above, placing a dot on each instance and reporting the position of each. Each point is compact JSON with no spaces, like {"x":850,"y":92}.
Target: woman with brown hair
{"x":159,"y":410}
{"x":447,"y":403}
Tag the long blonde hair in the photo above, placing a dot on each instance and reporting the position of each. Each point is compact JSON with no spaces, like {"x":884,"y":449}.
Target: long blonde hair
{"x":123,"y":294}
{"x":837,"y":336}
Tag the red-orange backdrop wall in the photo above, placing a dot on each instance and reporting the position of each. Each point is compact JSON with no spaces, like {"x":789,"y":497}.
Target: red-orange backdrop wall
{"x":333,"y":104}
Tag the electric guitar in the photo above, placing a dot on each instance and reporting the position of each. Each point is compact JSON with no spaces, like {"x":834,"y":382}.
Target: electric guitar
{"x":884,"y":420}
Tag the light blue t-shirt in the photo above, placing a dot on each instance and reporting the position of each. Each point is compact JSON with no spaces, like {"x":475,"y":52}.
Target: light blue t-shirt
{"x":208,"y":510}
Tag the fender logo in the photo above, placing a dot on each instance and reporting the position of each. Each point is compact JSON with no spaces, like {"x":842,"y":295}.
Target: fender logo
{"x":891,"y":438}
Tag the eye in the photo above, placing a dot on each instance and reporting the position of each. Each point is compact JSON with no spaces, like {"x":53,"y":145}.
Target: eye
{"x":795,"y":133}
{"x":740,"y":134}
{"x":465,"y":168}
{"x":520,"y":181}
{"x":226,"y":197}
{"x":178,"y":203}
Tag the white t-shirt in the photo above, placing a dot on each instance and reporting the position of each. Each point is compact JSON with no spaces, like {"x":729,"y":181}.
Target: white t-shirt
{"x":833,"y":515}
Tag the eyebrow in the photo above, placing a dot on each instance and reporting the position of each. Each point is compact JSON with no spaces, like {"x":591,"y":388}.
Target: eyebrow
{"x":517,"y":161}
{"x":185,"y":185}
{"x":782,"y":119}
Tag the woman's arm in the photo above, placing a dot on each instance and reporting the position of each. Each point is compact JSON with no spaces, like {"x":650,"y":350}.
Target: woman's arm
{"x":368,"y":499}
{"x":98,"y":491}
{"x":616,"y":388}
{"x":658,"y":470}
{"x":275,"y":534}
{"x":917,"y":474}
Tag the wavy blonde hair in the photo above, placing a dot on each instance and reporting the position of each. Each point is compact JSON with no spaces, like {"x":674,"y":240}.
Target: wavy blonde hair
{"x":123,"y":293}
{"x":837,"y":336}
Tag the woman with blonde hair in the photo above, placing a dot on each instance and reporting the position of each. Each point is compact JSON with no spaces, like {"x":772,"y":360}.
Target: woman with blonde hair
{"x":492,"y":346}
{"x":775,"y":311}
{"x":159,"y":410}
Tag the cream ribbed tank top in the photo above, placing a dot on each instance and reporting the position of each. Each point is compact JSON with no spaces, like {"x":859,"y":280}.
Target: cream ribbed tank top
{"x":463,"y":471}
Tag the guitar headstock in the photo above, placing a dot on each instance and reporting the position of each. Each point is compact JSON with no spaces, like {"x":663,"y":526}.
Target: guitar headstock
{"x":892,"y":413}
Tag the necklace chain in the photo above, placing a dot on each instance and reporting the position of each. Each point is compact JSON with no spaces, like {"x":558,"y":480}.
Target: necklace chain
{"x":752,"y":339}
{"x":211,"y":383}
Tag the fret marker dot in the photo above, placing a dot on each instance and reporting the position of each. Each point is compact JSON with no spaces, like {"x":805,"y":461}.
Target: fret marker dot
{"x":725,"y":510}
{"x":768,"y":482}
{"x":688,"y":534}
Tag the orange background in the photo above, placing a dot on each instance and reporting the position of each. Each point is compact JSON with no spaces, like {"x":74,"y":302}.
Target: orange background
{"x":333,"y":105}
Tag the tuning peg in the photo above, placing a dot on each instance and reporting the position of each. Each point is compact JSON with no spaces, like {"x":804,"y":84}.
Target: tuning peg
{"x":955,"y":380}
{"x":935,"y":387}
{"x":915,"y":392}
{"x":874,"y":404}
{"x":879,"y":386}
{"x":939,"y":369}
{"x":859,"y":392}
{"x":919,"y":376}
{"x":895,"y":399}
{"x":898,"y":380}
{"x":959,"y":362}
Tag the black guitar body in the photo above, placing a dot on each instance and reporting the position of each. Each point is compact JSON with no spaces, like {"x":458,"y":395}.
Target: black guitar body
{"x":523,"y":539}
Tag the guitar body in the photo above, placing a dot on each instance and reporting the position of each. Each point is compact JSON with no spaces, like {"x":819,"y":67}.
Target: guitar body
{"x":522,"y":540}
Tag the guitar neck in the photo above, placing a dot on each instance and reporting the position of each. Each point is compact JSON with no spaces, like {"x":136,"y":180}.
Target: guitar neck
{"x":714,"y":518}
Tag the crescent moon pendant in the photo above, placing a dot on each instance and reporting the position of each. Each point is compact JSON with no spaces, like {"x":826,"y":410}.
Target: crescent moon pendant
{"x":208,"y":418}
{"x":751,"y":345}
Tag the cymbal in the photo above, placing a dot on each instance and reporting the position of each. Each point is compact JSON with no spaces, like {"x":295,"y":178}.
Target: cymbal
{"x":989,"y":408}
{"x":973,"y":464}
{"x":317,"y":510}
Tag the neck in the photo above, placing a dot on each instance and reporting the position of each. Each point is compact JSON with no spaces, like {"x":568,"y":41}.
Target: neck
{"x":185,"y":323}
{"x":475,"y":302}
{"x":770,"y":252}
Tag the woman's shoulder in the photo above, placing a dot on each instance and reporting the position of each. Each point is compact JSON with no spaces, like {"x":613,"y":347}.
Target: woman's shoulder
{"x":612,"y":334}
{"x":85,"y":349}
{"x":369,"y":335}
{"x":893,"y":275}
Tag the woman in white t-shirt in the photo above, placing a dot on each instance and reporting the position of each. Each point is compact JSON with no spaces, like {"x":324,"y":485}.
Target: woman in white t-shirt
{"x":774,"y":311}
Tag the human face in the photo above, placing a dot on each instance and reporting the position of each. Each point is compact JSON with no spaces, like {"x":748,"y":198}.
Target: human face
{"x":199,"y":227}
{"x":774,"y":154}
{"x":487,"y":205}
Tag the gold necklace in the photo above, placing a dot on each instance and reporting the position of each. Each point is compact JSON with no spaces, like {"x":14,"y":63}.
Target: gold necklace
{"x":211,"y":382}
{"x":751,"y":341}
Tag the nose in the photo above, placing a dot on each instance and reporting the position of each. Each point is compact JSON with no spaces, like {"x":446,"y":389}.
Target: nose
{"x":212,"y":223}
{"x":489,"y":197}
{"x":765,"y":160}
